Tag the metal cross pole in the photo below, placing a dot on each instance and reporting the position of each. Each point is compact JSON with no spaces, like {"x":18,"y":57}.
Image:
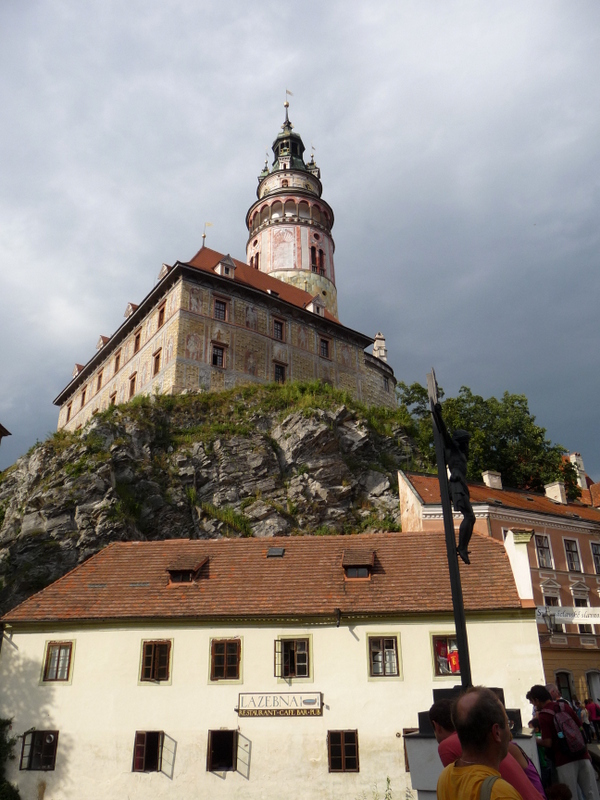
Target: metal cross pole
{"x":455,"y":584}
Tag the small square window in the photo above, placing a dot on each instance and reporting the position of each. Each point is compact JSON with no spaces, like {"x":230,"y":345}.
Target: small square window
{"x":324,"y":348}
{"x":342,"y":751}
{"x":383,"y":656}
{"x":58,"y":661}
{"x":279,"y":373}
{"x":220,"y":310}
{"x":161,"y":315}
{"x":137,"y":340}
{"x":147,"y":751}
{"x":225,"y":660}
{"x":445,"y":652}
{"x":155,"y":661}
{"x":572,"y":553}
{"x":222,"y":751}
{"x":292,"y":658}
{"x":38,"y":751}
{"x":218,"y":356}
{"x":278,"y":330}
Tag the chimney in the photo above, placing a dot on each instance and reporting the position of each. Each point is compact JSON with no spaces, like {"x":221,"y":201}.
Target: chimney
{"x":556,"y":491}
{"x":379,"y":348}
{"x":492,"y":479}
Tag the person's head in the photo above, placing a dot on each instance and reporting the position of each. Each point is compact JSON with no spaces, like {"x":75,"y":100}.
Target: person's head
{"x":461,"y":439}
{"x":553,"y":689}
{"x":440,"y":715}
{"x":538,"y":696}
{"x":482,"y":725}
{"x":559,"y":791}
{"x":534,"y":724}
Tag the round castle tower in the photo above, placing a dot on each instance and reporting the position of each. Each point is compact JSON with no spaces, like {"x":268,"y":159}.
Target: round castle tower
{"x":290,"y":225}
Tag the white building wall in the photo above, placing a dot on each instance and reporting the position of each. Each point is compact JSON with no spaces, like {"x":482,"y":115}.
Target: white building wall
{"x":99,"y":710}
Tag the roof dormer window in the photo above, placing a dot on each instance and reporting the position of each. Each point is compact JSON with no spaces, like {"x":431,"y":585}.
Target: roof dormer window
{"x":358,"y":563}
{"x":226,"y":267}
{"x":185,"y":571}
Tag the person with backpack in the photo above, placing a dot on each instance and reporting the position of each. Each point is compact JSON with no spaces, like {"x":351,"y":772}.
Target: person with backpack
{"x":562,"y":735}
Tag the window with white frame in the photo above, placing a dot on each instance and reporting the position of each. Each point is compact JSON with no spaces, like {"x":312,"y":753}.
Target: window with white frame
{"x":383,"y":656}
{"x":553,"y":602}
{"x":544,"y":554}
{"x":572,"y":553}
{"x":292,"y":658}
{"x":445,"y":655}
{"x":57,"y":664}
{"x":583,"y":602}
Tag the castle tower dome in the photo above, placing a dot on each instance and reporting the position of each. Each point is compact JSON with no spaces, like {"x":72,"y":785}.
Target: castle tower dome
{"x":290,"y":224}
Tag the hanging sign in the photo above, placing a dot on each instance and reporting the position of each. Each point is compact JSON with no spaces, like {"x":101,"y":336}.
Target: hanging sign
{"x":569,"y":616}
{"x":287,"y":704}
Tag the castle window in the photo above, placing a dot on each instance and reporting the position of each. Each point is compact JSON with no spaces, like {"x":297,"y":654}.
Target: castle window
{"x":342,"y":751}
{"x":264,"y":214}
{"x":58,"y":661}
{"x":276,"y":210}
{"x":303,"y":211}
{"x":147,"y":751}
{"x":156,"y":658}
{"x":137,"y":340}
{"x":156,"y":362}
{"x":313,"y":258}
{"x":117,"y":361}
{"x":39,"y":750}
{"x":132,"y":381}
{"x":284,"y":184}
{"x":69,"y":410}
{"x":386,"y":383}
{"x":161,"y":315}
{"x":324,"y":348}
{"x":225,"y":660}
{"x":112,"y":400}
{"x":99,"y":381}
{"x":290,"y":208}
{"x":218,"y":356}
{"x":321,"y":262}
{"x":83,"y":393}
{"x":279,"y":373}
{"x":315,"y":214}
{"x":220,"y":310}
{"x":279,"y":330}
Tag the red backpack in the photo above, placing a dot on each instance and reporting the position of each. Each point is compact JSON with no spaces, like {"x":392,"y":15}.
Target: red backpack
{"x":569,"y":735}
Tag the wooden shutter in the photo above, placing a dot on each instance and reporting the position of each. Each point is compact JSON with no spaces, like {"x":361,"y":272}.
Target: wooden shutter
{"x":148,"y":661}
{"x":278,"y":658}
{"x":161,"y":672}
{"x":139,"y":751}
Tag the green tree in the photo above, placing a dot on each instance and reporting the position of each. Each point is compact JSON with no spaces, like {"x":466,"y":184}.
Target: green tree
{"x":504,"y":437}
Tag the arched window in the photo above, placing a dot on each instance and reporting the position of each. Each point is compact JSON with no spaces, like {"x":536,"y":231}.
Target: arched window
{"x":264,"y":214}
{"x":256,"y":257}
{"x":303,"y":211}
{"x":255,"y":221}
{"x":290,"y":208}
{"x":563,"y":682}
{"x":315,"y":214}
{"x":276,"y":210}
{"x":313,"y":258}
{"x":321,"y":262}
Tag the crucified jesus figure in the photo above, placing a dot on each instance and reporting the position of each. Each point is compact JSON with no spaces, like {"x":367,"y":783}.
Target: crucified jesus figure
{"x":456,"y":451}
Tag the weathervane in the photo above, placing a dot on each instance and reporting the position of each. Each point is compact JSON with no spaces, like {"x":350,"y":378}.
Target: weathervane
{"x":206,"y":225}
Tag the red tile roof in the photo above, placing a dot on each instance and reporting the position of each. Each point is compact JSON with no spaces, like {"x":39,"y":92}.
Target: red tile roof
{"x":207,"y":259}
{"x":428,"y":489}
{"x":129,"y":580}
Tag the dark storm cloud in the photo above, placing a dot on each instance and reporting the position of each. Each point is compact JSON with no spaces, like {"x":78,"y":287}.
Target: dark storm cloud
{"x":459,"y":149}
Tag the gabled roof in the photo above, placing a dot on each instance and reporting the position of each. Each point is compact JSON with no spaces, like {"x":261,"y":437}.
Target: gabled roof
{"x":207,"y":259}
{"x":129,"y":580}
{"x":428,"y":489}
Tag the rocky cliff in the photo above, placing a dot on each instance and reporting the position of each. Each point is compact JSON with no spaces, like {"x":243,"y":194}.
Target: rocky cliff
{"x":256,"y":461}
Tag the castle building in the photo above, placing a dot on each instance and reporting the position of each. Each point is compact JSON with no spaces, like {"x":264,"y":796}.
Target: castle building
{"x":215,"y":322}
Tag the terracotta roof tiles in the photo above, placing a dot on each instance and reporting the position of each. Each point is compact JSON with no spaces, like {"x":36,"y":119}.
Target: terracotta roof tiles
{"x":428,"y":488}
{"x":129,"y":580}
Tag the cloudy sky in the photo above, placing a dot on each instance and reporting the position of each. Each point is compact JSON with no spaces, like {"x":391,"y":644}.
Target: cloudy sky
{"x":459,"y":144}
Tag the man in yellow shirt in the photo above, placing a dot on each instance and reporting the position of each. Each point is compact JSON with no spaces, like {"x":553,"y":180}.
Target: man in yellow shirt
{"x":482,"y":726}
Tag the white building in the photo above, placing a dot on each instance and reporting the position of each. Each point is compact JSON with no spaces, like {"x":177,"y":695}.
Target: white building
{"x":250,"y":667}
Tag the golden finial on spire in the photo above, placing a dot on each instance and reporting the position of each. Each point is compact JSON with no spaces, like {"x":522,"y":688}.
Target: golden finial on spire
{"x":206,"y":225}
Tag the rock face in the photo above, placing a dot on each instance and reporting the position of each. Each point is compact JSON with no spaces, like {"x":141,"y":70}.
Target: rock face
{"x":242,"y":463}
